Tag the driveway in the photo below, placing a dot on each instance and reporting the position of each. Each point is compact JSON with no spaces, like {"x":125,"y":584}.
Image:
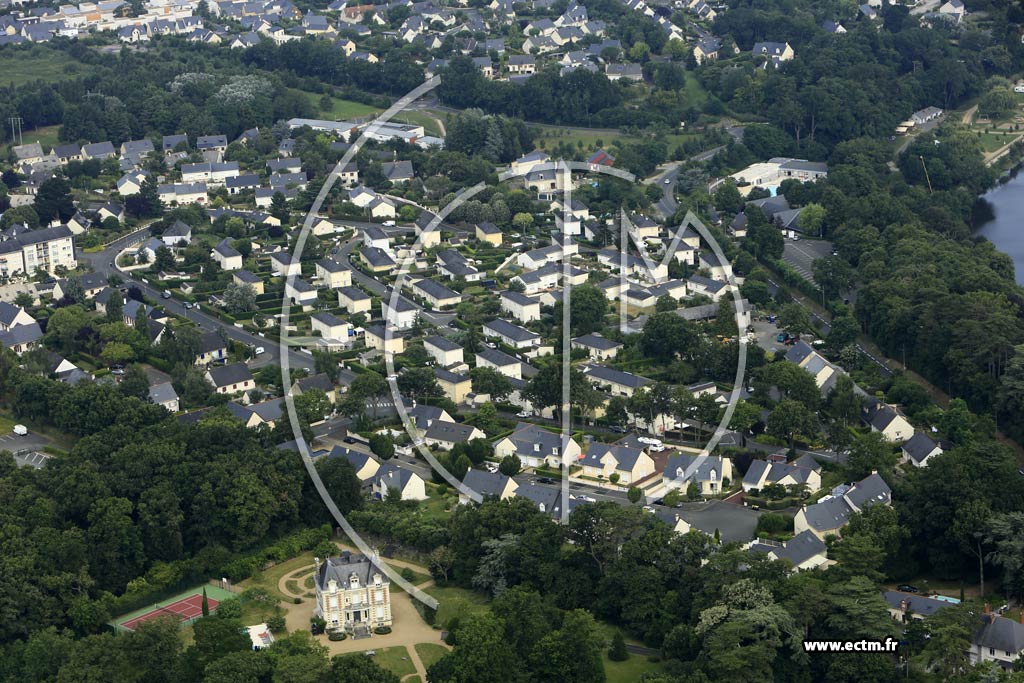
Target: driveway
{"x":802,"y":254}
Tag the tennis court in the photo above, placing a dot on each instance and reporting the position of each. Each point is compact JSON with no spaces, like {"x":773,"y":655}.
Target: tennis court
{"x":185,"y":607}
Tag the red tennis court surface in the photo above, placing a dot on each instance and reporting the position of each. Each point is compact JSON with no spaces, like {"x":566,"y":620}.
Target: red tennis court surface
{"x":185,"y":609}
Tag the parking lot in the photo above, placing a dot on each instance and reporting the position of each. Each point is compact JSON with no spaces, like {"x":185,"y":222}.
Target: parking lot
{"x":31,"y":459}
{"x":802,"y":254}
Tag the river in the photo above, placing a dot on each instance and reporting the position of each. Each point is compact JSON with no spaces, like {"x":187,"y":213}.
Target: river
{"x":1000,"y":217}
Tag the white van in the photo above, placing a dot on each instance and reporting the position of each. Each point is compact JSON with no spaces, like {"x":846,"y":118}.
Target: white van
{"x":20,"y":430}
{"x":258,"y":351}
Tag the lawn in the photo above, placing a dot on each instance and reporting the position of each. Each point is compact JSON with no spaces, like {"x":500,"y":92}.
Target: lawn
{"x":430,"y":653}
{"x":396,"y":660}
{"x":45,"y":136}
{"x":341,"y":110}
{"x":24,"y":66}
{"x":630,"y":670}
{"x":6,"y":425}
{"x":268,"y":579}
{"x":456,"y":602}
{"x":550,"y":138}
{"x":430,"y":126}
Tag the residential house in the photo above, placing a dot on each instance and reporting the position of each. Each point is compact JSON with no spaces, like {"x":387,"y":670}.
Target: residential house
{"x":774,"y":53}
{"x":226,"y":256}
{"x":456,"y":387}
{"x":212,"y":349}
{"x":519,"y":306}
{"x":920,"y":449}
{"x":711,"y":473}
{"x":436,"y":294}
{"x":333,"y":274}
{"x":802,"y":472}
{"x":177,"y":235}
{"x":385,"y":341}
{"x":353,"y":594}
{"x":444,"y":434}
{"x":354,"y":300}
{"x":377,"y":260}
{"x":245,"y":277}
{"x":231,"y":379}
{"x":163,"y":394}
{"x":444,"y":351}
{"x":500,"y":361}
{"x":997,"y":639}
{"x":488,"y":232}
{"x":804,"y":551}
{"x":300,"y":292}
{"x":330,"y":326}
{"x":830,"y":514}
{"x":364,"y":465}
{"x":399,"y":311}
{"x":393,"y":480}
{"x":488,"y":485}
{"x":510,"y":334}
{"x":284,"y":265}
{"x":616,"y":382}
{"x":536,"y":446}
{"x":598,"y":348}
{"x":618,"y":463}
{"x":888,"y":420}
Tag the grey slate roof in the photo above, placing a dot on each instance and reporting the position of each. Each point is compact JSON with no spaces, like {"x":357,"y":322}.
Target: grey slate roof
{"x":596,"y":341}
{"x":342,"y":568}
{"x":485,"y":483}
{"x":919,"y":446}
{"x":918,"y":604}
{"x":511,"y":331}
{"x":999,"y":633}
{"x":455,"y":432}
{"x":236,"y":373}
{"x":531,"y":440}
{"x":683,"y":467}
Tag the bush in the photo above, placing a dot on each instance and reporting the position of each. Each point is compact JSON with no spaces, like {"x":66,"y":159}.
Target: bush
{"x":297,"y":601}
{"x":408,"y":574}
{"x":382,"y":630}
{"x":336,"y":636}
{"x":617,"y":652}
{"x":276,"y":624}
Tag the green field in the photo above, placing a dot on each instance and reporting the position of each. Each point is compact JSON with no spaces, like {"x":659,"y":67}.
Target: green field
{"x":396,"y":660}
{"x":341,"y":110}
{"x":268,"y":579}
{"x":40,"y":64}
{"x":630,"y":670}
{"x":430,"y":653}
{"x":456,"y":602}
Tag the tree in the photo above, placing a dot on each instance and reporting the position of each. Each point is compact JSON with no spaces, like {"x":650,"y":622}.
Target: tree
{"x":794,"y":318}
{"x":115,"y":307}
{"x":368,"y":388}
{"x":418,"y":383}
{"x":358,"y":668}
{"x":634,"y":494}
{"x":833,"y":274}
{"x":510,"y":465}
{"x":135,"y":383}
{"x":810,"y":220}
{"x":727,"y":198}
{"x":163,"y":260}
{"x":117,"y":353}
{"x":206,"y":604}
{"x":522,"y":221}
{"x":617,"y":652}
{"x":53,"y":201}
{"x":790,"y":418}
{"x":313,"y":406}
{"x":279,"y":208}
{"x":588,"y":307}
{"x":383,"y":446}
{"x":666,"y":335}
{"x":1006,"y":536}
{"x":615,"y":412}
{"x":146,"y":202}
{"x":870,"y":452}
{"x":490,"y":381}
{"x":339,"y":477}
{"x":239,"y":298}
{"x":969,"y":528}
{"x":24,"y":215}
{"x":24,"y":300}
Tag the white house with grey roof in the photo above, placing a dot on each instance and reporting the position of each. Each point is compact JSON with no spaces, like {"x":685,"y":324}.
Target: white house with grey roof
{"x":444,"y":351}
{"x":399,"y":311}
{"x":333,"y":274}
{"x":536,"y":446}
{"x":500,"y":361}
{"x":226,"y":256}
{"x":598,"y":348}
{"x":510,"y":334}
{"x":488,"y":485}
{"x":445,"y":434}
{"x":436,"y":294}
{"x":804,"y":471}
{"x":920,"y":449}
{"x":354,"y":300}
{"x":163,"y":394}
{"x":616,"y":382}
{"x":888,"y":420}
{"x":803,"y":551}
{"x":709,"y":472}
{"x":519,"y":306}
{"x":829,"y":515}
{"x":393,"y":479}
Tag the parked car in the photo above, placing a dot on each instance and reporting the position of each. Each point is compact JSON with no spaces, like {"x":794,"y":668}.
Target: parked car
{"x":166,"y":294}
{"x":545,"y":480}
{"x":524,"y":413}
{"x":20,"y":430}
{"x":907,"y":588}
{"x":618,"y":429}
{"x":258,"y":350}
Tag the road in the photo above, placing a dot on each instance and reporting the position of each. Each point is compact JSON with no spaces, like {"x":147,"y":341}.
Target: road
{"x":26,"y":449}
{"x":666,"y":180}
{"x":102,"y":262}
